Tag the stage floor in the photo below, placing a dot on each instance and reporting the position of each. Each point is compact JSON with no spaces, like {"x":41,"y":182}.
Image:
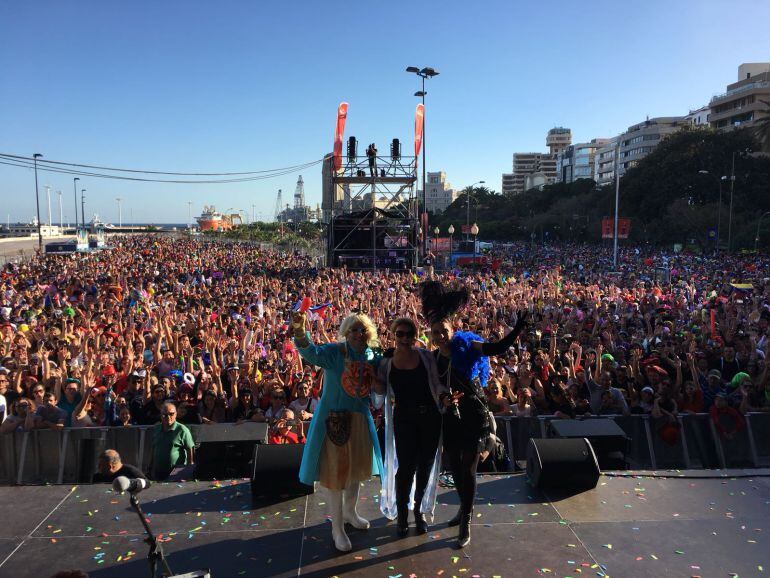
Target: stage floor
{"x":627,"y":526}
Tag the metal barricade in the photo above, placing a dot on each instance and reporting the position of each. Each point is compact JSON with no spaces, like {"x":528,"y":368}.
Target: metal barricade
{"x":70,"y":455}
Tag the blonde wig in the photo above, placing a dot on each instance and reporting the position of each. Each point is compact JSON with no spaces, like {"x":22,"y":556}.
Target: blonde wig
{"x":354,"y":318}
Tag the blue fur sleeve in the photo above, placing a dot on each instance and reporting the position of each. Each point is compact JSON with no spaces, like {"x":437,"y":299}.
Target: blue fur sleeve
{"x":470,"y":362}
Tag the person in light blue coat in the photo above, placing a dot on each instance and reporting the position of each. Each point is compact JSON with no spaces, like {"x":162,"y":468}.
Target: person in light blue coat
{"x":342,"y":440}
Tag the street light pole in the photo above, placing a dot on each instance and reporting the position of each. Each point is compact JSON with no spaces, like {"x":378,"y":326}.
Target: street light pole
{"x":451,"y":231}
{"x":468,"y":205}
{"x":48,"y":196}
{"x":759,"y":222}
{"x":474,"y":232}
{"x":617,"y":207}
{"x":120,"y":212}
{"x":61,"y":212}
{"x":730,"y":218}
{"x":423,"y":73}
{"x":719,"y":208}
{"x":75,"y":186}
{"x":83,"y":206}
{"x":37,"y":203}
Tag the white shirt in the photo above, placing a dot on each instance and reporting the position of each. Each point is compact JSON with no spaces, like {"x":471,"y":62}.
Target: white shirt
{"x":3,"y":408}
{"x":297,"y":406}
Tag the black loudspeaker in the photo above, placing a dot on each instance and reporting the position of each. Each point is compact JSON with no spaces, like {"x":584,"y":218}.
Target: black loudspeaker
{"x":608,"y":440}
{"x":226,"y":450}
{"x":276,"y":471}
{"x":352,"y":149}
{"x":562,"y":463}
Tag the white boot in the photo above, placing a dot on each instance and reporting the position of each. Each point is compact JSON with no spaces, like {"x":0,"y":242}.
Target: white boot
{"x":350,"y":515}
{"x":341,"y":540}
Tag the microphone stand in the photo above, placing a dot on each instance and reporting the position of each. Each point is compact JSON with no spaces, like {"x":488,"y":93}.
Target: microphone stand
{"x":156,"y":548}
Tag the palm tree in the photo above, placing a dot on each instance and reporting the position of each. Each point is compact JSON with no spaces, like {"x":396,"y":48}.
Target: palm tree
{"x":762,"y":129}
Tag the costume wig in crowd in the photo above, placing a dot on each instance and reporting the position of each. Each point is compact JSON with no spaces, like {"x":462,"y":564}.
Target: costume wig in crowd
{"x":438,"y":305}
{"x":371,"y":329}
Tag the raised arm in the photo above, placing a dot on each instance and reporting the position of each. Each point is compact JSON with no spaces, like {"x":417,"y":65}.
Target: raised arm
{"x":500,"y":347}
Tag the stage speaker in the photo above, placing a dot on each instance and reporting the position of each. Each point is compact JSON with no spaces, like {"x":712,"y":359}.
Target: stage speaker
{"x":395,"y":149}
{"x":562,"y":463}
{"x":226,"y":450}
{"x":352,"y":149}
{"x":608,"y":440}
{"x":276,"y":471}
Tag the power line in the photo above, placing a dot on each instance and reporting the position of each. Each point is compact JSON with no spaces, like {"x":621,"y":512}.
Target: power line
{"x":24,"y":158}
{"x":23,"y":163}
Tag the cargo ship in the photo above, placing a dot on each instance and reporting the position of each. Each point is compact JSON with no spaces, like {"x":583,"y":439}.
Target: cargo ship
{"x":213,"y":220}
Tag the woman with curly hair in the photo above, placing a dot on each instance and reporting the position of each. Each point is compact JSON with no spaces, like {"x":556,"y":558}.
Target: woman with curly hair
{"x":463,"y":365}
{"x":342,"y":437}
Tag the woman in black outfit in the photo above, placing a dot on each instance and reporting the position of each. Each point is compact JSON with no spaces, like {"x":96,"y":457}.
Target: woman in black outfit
{"x":463,"y":367}
{"x":412,"y":428}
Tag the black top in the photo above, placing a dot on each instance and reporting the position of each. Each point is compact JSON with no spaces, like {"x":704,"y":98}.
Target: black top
{"x":129,"y":471}
{"x":410,"y":386}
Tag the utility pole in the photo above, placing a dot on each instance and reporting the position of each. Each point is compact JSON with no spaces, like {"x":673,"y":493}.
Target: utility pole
{"x":83,"y":206}
{"x":37,"y":203}
{"x":48,"y":196}
{"x":120,"y":212}
{"x":61,"y":212}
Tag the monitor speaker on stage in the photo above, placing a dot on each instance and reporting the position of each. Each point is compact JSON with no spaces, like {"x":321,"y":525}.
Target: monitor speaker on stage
{"x":226,"y":450}
{"x":276,"y":471}
{"x":562,"y":463}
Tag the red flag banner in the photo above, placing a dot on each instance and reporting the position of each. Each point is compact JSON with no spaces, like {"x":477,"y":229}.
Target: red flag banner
{"x":419,"y":118}
{"x":624,"y":228}
{"x":608,"y":228}
{"x":339,"y":132}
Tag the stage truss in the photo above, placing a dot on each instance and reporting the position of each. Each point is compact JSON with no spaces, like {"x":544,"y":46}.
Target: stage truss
{"x":378,"y":205}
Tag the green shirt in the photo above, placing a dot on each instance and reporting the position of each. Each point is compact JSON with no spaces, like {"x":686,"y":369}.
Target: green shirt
{"x":169,"y":447}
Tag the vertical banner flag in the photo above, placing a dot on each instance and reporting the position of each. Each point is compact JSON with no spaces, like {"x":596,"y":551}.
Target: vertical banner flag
{"x":419,"y":118}
{"x":608,"y":228}
{"x":342,"y":115}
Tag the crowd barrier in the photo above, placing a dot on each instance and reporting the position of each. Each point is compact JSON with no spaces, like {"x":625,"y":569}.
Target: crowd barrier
{"x":70,"y":455}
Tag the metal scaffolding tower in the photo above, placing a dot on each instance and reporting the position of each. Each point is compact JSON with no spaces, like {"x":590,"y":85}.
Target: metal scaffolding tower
{"x":377,"y":225}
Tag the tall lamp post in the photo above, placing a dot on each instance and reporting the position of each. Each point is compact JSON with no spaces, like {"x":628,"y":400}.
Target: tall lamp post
{"x":468,"y":205}
{"x":759,"y":222}
{"x":423,"y":73}
{"x":436,"y":232}
{"x":719,"y":209}
{"x":120,"y":211}
{"x":37,"y":203}
{"x":474,"y":232}
{"x":83,"y":206}
{"x":61,"y":213}
{"x":75,"y":186}
{"x":451,"y":231}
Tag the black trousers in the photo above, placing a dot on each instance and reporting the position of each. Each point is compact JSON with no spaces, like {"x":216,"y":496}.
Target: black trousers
{"x":416,"y":432}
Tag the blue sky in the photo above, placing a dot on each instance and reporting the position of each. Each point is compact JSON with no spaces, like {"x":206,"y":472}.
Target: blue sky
{"x":239,"y":86}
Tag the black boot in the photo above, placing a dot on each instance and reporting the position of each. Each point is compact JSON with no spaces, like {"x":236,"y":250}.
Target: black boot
{"x":419,"y":522}
{"x":456,"y":520}
{"x":402,"y":521}
{"x":464,"y":537}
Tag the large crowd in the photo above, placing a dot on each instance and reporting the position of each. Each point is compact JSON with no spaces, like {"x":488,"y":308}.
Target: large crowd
{"x":118,"y":337}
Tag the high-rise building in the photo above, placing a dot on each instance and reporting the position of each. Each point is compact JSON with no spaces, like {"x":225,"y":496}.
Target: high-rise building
{"x":640,"y":139}
{"x":741,"y":104}
{"x":536,"y":168}
{"x":558,"y":139}
{"x":577,"y":161}
{"x":604,"y":162}
{"x":440,"y":193}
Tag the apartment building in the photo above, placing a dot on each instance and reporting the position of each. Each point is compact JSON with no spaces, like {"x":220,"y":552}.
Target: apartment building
{"x":741,"y":104}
